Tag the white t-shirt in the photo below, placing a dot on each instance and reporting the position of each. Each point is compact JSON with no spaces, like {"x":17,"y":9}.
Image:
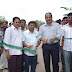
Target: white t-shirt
{"x":67,"y":33}
{"x":13,"y":36}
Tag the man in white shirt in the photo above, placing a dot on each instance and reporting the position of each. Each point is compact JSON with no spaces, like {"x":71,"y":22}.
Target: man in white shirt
{"x":23,"y":25}
{"x":13,"y":36}
{"x":67,"y":47}
{"x":30,"y":41}
{"x":63,"y":22}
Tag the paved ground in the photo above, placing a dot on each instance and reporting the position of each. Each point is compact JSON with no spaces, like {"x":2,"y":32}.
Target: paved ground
{"x":40,"y":66}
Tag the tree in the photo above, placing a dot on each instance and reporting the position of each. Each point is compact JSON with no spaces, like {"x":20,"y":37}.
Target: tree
{"x":2,"y":18}
{"x":39,"y":22}
{"x":66,"y":9}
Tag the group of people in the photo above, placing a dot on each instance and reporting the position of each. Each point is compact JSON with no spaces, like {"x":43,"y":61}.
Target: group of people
{"x":53,"y":36}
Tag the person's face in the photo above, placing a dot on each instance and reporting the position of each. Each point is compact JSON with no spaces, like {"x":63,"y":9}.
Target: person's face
{"x":70,"y":19}
{"x":31,"y":26}
{"x":66,"y":21}
{"x":4,"y":25}
{"x":48,"y":18}
{"x":23,"y":23}
{"x":16,"y":23}
{"x":1,"y":25}
{"x":19,"y":24}
{"x":36,"y":25}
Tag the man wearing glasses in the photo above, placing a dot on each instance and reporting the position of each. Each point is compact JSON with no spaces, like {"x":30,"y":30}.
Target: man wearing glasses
{"x":13,"y":36}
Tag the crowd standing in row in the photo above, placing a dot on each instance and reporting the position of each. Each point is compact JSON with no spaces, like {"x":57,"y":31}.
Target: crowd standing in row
{"x":51,"y":34}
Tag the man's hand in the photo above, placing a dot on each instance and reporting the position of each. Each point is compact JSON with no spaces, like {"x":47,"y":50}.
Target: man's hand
{"x":2,"y":48}
{"x":30,"y":46}
{"x":44,"y":40}
{"x":52,"y":40}
{"x":35,"y":48}
{"x":7,"y":54}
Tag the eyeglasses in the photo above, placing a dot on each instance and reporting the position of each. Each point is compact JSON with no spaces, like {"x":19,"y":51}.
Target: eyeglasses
{"x":17,"y":22}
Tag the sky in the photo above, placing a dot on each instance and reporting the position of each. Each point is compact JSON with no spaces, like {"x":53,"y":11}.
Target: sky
{"x":33,"y":9}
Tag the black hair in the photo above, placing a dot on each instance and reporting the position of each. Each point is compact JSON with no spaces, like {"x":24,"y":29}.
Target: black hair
{"x":58,"y":21}
{"x":9,"y":23}
{"x":65,"y":18}
{"x":22,"y":20}
{"x":48,"y":13}
{"x":15,"y":18}
{"x":69,"y":14}
{"x":31,"y":22}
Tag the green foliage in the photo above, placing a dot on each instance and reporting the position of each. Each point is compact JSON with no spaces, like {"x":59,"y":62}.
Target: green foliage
{"x":2,"y":18}
{"x":65,"y":15}
{"x":66,"y":9}
{"x":39,"y":22}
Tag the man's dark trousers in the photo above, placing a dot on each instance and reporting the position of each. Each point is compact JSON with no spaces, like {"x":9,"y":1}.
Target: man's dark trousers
{"x":53,"y":50}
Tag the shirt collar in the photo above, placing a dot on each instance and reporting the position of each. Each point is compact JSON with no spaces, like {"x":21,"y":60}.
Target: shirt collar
{"x":14,"y":27}
{"x":30,"y":32}
{"x":50,"y":25}
{"x":67,"y":24}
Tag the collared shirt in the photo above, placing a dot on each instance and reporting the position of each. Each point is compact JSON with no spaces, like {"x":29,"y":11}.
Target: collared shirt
{"x":67,"y":33}
{"x":23,"y":30}
{"x":13,"y":36}
{"x":49,"y":32}
{"x":30,"y":39}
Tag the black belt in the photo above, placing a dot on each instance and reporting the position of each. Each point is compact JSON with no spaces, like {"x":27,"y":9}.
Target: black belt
{"x":52,"y":43}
